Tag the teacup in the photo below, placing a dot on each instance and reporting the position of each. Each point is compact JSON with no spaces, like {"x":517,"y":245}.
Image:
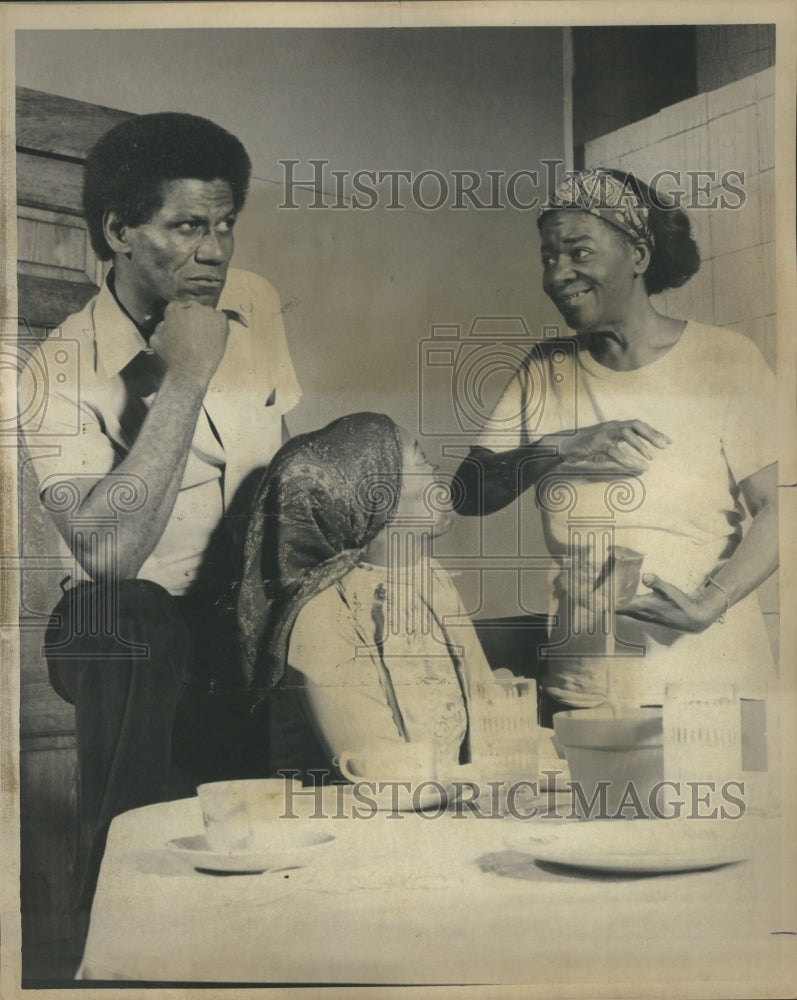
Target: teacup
{"x":625,"y":571}
{"x":610,"y":584}
{"x":385,"y":761}
{"x":241,"y":816}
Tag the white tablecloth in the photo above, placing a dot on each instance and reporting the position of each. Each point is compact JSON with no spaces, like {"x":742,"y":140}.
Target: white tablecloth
{"x":407,"y":899}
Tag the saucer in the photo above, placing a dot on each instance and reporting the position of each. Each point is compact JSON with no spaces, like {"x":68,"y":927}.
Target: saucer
{"x":635,"y":846}
{"x":199,"y":853}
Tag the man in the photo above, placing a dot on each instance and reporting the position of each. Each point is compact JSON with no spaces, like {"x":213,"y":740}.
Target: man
{"x":178,"y":395}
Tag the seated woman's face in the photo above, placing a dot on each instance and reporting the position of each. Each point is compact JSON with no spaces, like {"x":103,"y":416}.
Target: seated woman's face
{"x":425,"y":499}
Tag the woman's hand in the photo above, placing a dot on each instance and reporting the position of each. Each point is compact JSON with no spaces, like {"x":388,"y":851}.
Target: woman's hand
{"x":752,"y":563}
{"x":617,"y":446}
{"x":667,"y":605}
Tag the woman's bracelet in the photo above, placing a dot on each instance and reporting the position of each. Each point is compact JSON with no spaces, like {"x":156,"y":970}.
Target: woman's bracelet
{"x":721,"y":618}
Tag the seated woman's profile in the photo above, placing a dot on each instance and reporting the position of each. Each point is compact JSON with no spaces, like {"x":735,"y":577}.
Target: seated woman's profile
{"x":356,"y":633}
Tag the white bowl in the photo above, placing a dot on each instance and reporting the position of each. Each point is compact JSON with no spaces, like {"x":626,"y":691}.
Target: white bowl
{"x":619,"y":750}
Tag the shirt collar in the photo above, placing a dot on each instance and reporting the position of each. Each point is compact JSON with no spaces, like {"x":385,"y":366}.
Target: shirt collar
{"x":117,"y":338}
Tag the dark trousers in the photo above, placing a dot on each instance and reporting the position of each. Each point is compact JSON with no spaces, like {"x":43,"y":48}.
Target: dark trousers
{"x":159,"y":702}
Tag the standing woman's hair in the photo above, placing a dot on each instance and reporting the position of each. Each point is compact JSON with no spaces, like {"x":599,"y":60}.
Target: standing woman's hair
{"x":676,"y":256}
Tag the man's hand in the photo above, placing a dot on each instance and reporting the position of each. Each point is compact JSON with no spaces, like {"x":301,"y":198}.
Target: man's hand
{"x":190,"y":343}
{"x":667,"y":605}
{"x":617,"y":446}
{"x":190,"y":340}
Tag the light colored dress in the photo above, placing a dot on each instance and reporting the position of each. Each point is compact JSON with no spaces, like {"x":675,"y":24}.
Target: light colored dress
{"x":372,"y":659}
{"x":713,"y":395}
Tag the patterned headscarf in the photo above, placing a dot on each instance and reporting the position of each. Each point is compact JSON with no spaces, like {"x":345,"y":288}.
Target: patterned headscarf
{"x":325,"y":496}
{"x":601,"y":194}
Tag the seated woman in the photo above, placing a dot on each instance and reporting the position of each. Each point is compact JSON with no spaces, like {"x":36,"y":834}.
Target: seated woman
{"x":355,"y":633}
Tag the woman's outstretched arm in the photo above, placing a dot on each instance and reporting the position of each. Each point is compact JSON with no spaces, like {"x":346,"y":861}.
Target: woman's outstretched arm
{"x":489,"y":480}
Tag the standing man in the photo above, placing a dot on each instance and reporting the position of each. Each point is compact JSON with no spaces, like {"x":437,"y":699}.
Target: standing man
{"x":179,"y":393}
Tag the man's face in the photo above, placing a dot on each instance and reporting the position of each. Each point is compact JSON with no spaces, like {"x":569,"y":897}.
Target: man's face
{"x":183,"y":251}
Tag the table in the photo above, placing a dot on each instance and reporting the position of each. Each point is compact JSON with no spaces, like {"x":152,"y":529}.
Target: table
{"x":403,"y":898}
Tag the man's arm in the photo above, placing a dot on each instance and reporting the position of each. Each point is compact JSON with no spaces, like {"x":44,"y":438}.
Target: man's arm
{"x":190,"y":343}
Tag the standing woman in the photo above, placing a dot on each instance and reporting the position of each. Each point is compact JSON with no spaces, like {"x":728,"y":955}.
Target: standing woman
{"x":678,"y":415}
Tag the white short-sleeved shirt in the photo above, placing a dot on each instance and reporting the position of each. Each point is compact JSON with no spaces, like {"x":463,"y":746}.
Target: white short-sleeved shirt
{"x":99,"y":390}
{"x":713,"y":395}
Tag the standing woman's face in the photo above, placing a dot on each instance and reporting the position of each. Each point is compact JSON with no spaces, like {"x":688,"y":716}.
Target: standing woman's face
{"x":589,"y":268}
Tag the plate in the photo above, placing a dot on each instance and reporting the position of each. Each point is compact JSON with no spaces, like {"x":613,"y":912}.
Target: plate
{"x":199,"y":853}
{"x":635,"y":846}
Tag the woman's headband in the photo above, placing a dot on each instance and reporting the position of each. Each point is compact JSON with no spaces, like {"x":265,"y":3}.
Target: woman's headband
{"x":604,"y":196}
